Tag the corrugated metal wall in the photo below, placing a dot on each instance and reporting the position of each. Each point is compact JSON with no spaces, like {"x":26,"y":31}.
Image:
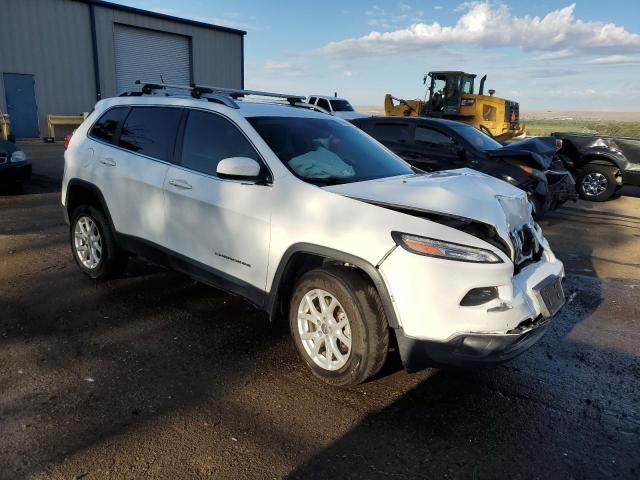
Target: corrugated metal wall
{"x":51,"y":39}
{"x":217,"y":55}
{"x":143,"y":54}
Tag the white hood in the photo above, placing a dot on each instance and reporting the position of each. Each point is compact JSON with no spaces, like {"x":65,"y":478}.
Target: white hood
{"x":463,"y":193}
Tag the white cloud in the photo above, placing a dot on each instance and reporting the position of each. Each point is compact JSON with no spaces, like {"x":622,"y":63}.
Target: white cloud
{"x":404,"y":15}
{"x":492,"y":25}
{"x":616,"y":60}
{"x":280,"y":66}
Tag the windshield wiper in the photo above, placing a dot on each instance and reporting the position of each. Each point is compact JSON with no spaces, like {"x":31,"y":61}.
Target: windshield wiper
{"x":325,"y":181}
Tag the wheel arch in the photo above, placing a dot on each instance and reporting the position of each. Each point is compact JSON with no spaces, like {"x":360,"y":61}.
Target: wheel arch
{"x":302,"y":257}
{"x":601,"y":158}
{"x":80,"y":192}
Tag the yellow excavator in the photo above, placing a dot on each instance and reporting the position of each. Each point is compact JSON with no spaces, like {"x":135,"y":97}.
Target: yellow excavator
{"x":451,"y":95}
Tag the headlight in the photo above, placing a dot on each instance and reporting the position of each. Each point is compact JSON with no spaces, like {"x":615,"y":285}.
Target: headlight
{"x":446,"y":250}
{"x":18,"y":156}
{"x":467,"y":102}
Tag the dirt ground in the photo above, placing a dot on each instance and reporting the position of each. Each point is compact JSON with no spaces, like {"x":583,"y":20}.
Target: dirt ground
{"x":156,"y":376}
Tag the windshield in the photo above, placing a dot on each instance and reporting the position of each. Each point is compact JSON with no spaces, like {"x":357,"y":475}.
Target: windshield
{"x":341,"y":106}
{"x":325,"y":151}
{"x":477,"y":138}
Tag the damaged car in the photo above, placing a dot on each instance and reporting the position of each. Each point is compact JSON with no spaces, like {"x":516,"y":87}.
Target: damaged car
{"x":314,"y":222}
{"x":436,"y":144}
{"x":602,"y":164}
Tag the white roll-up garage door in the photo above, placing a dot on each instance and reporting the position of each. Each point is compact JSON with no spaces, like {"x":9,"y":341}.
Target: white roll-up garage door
{"x":147,"y":55}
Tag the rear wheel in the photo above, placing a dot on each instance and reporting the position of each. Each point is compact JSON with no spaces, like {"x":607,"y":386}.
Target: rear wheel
{"x":338,"y":325}
{"x":597,"y":182}
{"x":93,"y":246}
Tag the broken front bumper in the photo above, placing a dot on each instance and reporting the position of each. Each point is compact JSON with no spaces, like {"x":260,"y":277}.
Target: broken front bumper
{"x":468,"y":349}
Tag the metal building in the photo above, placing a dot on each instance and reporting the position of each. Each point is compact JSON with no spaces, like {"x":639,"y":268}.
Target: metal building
{"x":57,"y":57}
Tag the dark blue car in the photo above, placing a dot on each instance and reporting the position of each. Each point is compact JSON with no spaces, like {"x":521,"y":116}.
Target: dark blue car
{"x":432,"y":144}
{"x":14,"y":166}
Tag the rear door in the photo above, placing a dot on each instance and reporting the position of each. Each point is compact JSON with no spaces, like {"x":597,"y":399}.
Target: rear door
{"x":220,"y":225}
{"x":435,"y":150}
{"x":130,"y":171}
{"x":393,"y":135}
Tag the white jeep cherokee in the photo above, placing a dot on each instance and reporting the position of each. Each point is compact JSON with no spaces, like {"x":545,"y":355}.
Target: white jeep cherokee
{"x":306,"y":216}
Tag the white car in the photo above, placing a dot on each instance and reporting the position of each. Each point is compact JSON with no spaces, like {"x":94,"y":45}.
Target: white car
{"x":340,"y":107}
{"x":312,"y":220}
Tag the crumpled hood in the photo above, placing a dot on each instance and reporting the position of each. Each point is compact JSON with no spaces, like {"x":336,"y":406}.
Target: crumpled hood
{"x":541,"y":150}
{"x":461,"y":193}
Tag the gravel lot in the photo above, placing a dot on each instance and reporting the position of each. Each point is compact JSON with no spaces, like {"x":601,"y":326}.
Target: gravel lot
{"x":154,"y":375}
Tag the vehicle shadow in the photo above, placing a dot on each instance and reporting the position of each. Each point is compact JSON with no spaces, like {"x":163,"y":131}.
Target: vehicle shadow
{"x":555,"y":412}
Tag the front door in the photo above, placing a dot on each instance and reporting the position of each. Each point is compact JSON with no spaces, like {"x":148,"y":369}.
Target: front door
{"x":20,"y":94}
{"x":223,"y":225}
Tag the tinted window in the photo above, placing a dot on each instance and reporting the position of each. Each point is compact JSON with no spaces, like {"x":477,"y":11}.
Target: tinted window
{"x":391,"y":132}
{"x":432,"y":138}
{"x":322,"y":103}
{"x":477,"y":138}
{"x":312,"y":100}
{"x":105,"y":128}
{"x":341,"y":106}
{"x":326,"y":151}
{"x":151,"y":131}
{"x":209,"y":138}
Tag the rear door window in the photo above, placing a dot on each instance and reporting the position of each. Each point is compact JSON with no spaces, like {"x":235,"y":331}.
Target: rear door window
{"x":209,"y":138}
{"x":391,"y":132}
{"x":105,"y":128}
{"x":433,"y":138}
{"x":151,"y":131}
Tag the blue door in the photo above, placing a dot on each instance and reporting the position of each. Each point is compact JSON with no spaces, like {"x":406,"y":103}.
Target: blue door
{"x":20,"y":93}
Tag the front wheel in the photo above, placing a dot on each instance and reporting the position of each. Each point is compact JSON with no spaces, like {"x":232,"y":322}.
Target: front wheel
{"x":339,"y":326}
{"x":596,"y":182}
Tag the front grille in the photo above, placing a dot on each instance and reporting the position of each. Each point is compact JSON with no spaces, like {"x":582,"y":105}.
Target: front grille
{"x":526,"y":248}
{"x":512,"y":114}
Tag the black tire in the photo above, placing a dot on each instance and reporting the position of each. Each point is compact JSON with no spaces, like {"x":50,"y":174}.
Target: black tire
{"x":604,"y":173}
{"x":367,"y":321}
{"x":112,"y":261}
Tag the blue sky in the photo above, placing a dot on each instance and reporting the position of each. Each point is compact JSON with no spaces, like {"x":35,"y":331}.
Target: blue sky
{"x":546,"y":54}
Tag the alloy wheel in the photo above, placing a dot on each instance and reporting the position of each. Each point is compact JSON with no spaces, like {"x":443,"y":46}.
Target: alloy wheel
{"x":87,"y":242}
{"x":324,"y":329}
{"x":594,"y":184}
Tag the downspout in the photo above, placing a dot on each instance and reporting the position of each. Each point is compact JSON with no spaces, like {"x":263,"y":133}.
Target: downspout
{"x":94,"y":46}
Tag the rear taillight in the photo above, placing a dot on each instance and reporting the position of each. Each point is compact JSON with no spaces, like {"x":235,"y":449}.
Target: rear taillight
{"x":558,"y":143}
{"x":67,"y":139}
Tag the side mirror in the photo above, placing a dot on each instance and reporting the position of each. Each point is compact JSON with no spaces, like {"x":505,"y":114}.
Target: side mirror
{"x":240,"y":168}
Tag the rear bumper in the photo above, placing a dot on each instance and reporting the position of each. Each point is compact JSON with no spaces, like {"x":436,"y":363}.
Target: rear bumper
{"x":469,"y":349}
{"x":15,"y":172}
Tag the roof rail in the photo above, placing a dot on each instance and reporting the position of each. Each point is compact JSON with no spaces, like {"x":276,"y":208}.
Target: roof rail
{"x":217,"y":93}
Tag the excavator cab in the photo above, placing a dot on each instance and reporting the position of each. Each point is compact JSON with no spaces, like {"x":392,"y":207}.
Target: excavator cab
{"x":446,"y":90}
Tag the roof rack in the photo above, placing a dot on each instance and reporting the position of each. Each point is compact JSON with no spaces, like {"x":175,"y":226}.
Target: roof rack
{"x":222,"y":95}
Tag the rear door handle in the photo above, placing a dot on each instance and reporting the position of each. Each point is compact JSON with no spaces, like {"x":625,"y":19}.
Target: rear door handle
{"x":109,"y":162}
{"x":179,"y":183}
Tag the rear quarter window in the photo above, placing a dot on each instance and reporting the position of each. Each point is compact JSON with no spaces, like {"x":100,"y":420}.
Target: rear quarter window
{"x":107,"y":125}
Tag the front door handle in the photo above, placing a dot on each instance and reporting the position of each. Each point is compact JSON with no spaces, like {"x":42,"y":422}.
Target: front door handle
{"x":179,"y":183}
{"x":109,"y":162}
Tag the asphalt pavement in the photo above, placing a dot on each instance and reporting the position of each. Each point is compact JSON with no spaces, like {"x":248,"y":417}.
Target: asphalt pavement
{"x":154,"y":375}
